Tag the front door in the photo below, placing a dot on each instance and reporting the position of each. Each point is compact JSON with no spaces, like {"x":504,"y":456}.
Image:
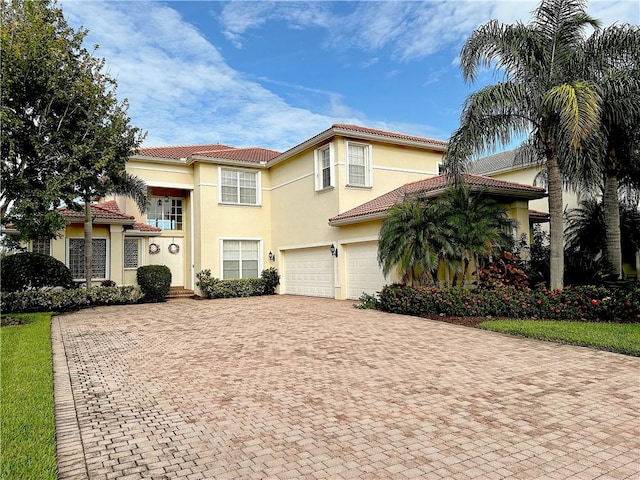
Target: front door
{"x":170,"y":253}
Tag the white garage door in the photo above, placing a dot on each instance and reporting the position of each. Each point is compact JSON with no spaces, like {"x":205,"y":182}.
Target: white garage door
{"x":363,"y":272}
{"x":308,"y":271}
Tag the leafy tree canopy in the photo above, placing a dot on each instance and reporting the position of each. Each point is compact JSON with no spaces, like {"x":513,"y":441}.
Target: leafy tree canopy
{"x":65,"y":135}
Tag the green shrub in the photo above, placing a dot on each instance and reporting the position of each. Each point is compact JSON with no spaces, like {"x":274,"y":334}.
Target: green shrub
{"x":28,"y":301}
{"x":154,"y":282}
{"x":33,"y":270}
{"x":368,"y":302}
{"x":212,"y":287}
{"x":271,"y":280}
{"x":586,"y":303}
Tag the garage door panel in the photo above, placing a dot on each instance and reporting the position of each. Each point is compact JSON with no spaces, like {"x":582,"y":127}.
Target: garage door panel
{"x":309,"y":272}
{"x":363,"y":273}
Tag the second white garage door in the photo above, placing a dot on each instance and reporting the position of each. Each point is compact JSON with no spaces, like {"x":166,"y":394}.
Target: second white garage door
{"x":363,"y":272}
{"x":308,"y":271}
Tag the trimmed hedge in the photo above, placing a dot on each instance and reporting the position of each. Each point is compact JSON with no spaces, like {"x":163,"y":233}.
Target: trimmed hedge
{"x":28,"y":301}
{"x":33,"y":270}
{"x":212,"y":287}
{"x":154,"y":282}
{"x":587,"y":303}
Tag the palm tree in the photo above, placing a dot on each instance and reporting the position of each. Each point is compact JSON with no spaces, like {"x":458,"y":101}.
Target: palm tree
{"x":611,"y":59}
{"x":406,"y":242}
{"x":479,"y":226}
{"x":540,"y":96}
{"x":586,"y":235}
{"x":125,"y":185}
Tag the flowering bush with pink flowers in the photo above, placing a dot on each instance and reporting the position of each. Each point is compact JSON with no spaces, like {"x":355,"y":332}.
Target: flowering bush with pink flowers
{"x":587,"y":303}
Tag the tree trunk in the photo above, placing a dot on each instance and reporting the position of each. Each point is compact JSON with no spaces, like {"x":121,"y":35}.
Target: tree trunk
{"x":88,"y":243}
{"x":611,"y":206}
{"x":556,"y":226}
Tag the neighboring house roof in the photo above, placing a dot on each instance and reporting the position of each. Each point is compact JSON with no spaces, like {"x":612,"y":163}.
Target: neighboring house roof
{"x":432,"y":187}
{"x":500,"y":162}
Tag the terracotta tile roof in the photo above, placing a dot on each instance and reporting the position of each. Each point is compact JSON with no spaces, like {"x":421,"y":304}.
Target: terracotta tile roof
{"x":433,"y":187}
{"x":101,"y":211}
{"x":384,"y":133}
{"x":143,"y":227}
{"x":253,"y":154}
{"x":178,"y":152}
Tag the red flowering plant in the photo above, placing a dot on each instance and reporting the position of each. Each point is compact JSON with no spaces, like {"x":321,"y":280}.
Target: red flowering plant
{"x":586,"y":303}
{"x":504,"y":270}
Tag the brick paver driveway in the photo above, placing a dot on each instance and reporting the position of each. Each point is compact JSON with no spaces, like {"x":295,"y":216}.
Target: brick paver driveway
{"x":294,"y":387}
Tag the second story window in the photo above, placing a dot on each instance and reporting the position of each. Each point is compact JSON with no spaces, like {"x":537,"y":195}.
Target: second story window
{"x":239,"y":187}
{"x":359,"y":169}
{"x":165,"y":213}
{"x":323,"y":158}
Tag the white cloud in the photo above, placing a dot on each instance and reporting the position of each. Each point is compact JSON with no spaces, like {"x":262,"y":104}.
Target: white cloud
{"x":408,"y":29}
{"x":180,"y":88}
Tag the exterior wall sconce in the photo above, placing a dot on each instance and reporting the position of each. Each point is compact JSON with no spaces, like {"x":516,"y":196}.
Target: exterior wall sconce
{"x":272,"y":256}
{"x":166,"y":199}
{"x":334,"y":250}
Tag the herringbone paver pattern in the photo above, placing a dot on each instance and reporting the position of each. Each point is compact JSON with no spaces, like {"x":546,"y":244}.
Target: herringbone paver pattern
{"x":292,"y":387}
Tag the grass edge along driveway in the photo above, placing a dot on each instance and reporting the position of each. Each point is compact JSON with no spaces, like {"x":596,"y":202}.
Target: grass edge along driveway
{"x":27,"y":418}
{"x":621,"y":338}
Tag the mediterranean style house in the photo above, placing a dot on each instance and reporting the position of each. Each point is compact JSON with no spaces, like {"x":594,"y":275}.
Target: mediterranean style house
{"x":313,"y":212}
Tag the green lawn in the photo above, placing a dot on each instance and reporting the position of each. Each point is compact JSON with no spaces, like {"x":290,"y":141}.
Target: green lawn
{"x":27,"y":426}
{"x":614,"y":337}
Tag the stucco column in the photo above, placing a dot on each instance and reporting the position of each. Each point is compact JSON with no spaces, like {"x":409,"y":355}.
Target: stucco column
{"x":115,"y":254}
{"x":340,"y":279}
{"x":519,"y":211}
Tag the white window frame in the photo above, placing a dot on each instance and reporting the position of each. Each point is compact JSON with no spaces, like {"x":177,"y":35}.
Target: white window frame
{"x":241,"y":239}
{"x":258,"y":175}
{"x":440,"y":168}
{"x":161,"y":222}
{"x":368,"y":164}
{"x":318,"y":157}
{"x":107,"y":259}
{"x":138,"y":241}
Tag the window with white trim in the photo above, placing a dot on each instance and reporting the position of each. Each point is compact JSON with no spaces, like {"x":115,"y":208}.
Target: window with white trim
{"x":240,"y":259}
{"x":41,"y":245}
{"x":239,"y":187}
{"x":323,"y":161}
{"x":131,"y":254}
{"x":359,"y":169}
{"x":76,"y":258}
{"x":165,"y":213}
{"x":440,"y":168}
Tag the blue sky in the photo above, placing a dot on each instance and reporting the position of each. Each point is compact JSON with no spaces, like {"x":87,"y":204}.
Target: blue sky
{"x":272,"y":74}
